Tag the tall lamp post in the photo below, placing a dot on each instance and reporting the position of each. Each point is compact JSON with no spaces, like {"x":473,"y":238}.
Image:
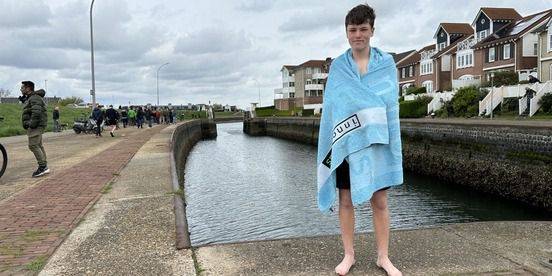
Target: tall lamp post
{"x":158,"y":69}
{"x":259,"y":87}
{"x":492,"y":93}
{"x":93,"y":90}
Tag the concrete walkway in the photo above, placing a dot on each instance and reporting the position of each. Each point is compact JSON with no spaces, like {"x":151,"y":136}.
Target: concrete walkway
{"x":37,"y":214}
{"x":130,"y":231}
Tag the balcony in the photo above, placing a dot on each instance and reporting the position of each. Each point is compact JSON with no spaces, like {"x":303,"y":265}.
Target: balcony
{"x":314,"y":87}
{"x":319,"y":76}
{"x":287,"y":90}
{"x":288,"y":79}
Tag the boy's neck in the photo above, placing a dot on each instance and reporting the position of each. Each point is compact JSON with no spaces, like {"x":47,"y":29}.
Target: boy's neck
{"x":363,"y":54}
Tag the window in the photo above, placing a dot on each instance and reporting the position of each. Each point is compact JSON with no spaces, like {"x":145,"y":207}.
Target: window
{"x":491,"y":54}
{"x":291,"y":84}
{"x":403,"y":73}
{"x":506,"y":51}
{"x":535,"y":49}
{"x":428,"y":85}
{"x":464,"y":59}
{"x":309,"y":70}
{"x":427,"y":67}
{"x":292,"y":95}
{"x":481,"y":35}
{"x":316,"y":70}
{"x":309,"y":82}
{"x":441,"y":46}
{"x":411,"y":71}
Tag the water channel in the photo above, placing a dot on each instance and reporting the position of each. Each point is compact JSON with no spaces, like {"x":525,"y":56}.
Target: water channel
{"x":243,"y":188}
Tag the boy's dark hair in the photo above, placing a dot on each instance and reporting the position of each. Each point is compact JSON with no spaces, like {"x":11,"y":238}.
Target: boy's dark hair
{"x":359,"y":15}
{"x":29,"y":84}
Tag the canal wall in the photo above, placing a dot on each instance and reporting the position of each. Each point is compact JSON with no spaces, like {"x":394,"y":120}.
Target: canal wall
{"x":507,"y":159}
{"x":183,"y":139}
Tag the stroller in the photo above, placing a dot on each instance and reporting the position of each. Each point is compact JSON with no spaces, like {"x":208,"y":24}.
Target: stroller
{"x":86,"y":125}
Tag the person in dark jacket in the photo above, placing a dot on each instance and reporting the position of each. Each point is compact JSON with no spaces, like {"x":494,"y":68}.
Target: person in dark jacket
{"x":149,"y":116}
{"x":112,"y":117}
{"x":98,"y":116}
{"x":35,"y":120}
{"x":124,"y":117}
{"x":55,"y":116}
{"x":533,"y":79}
{"x":139,"y":117}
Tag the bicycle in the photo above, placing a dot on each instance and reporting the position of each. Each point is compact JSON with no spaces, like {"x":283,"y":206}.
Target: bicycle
{"x":3,"y":157}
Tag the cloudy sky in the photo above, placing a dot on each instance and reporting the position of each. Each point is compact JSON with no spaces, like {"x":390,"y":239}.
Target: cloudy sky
{"x":219,"y":51}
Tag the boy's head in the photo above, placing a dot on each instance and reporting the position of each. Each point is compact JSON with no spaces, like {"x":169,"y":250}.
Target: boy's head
{"x":359,"y":25}
{"x":359,"y":15}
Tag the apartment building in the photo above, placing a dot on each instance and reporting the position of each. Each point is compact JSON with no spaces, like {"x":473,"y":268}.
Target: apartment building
{"x":302,"y":85}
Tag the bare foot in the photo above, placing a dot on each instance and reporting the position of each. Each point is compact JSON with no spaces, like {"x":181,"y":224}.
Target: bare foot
{"x":386,"y":264}
{"x":345,"y":265}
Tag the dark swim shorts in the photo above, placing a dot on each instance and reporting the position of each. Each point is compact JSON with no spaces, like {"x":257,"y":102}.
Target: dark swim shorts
{"x":343,"y":180}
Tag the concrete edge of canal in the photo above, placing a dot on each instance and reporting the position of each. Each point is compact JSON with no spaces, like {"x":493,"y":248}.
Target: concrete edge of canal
{"x":182,"y":140}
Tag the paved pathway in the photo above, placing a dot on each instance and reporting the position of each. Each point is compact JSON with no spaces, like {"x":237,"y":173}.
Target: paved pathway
{"x":35,"y":219}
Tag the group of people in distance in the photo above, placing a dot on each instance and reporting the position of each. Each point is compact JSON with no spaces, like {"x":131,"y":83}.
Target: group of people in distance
{"x":131,"y":116}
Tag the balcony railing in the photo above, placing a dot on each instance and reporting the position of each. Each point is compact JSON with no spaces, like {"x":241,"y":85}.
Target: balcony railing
{"x":319,"y":76}
{"x":288,"y":79}
{"x":314,"y":87}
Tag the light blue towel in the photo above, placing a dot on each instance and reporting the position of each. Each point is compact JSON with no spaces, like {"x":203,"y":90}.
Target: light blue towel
{"x":360,"y":124}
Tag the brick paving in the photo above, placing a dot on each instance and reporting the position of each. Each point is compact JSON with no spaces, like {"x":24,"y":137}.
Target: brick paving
{"x":35,"y":222}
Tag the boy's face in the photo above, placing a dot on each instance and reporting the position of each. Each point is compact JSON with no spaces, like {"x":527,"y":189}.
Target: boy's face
{"x":359,"y":36}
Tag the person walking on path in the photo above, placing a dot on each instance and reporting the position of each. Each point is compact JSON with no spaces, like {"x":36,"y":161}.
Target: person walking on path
{"x":140,"y":117}
{"x":359,"y":146}
{"x":55,"y":117}
{"x":171,"y":116}
{"x":112,"y":117}
{"x":132,"y":116}
{"x":124,"y":117}
{"x":98,"y":116}
{"x":35,"y":120}
{"x":157,"y":115}
{"x":149,"y":116}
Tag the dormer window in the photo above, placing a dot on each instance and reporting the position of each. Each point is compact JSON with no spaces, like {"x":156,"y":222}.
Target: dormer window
{"x":482,"y":34}
{"x":441,"y":46}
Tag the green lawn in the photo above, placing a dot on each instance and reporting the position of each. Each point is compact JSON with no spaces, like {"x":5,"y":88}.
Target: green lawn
{"x":11,"y":125}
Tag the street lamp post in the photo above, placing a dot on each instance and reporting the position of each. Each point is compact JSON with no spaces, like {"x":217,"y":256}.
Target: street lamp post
{"x":158,"y":69}
{"x":492,"y":94}
{"x":93,"y":91}
{"x":259,"y":87}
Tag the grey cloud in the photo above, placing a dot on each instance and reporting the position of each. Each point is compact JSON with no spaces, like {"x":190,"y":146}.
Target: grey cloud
{"x":255,"y":5}
{"x":312,"y":21}
{"x":212,"y":40}
{"x":23,"y":13}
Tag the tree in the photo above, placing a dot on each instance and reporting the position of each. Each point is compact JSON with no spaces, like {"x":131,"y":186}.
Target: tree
{"x":4,"y":92}
{"x":70,"y":100}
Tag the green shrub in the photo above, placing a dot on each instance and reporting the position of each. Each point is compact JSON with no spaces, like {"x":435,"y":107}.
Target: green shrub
{"x":308,"y":112}
{"x":546,"y":103}
{"x":415,"y":90}
{"x":509,"y":105}
{"x":414,"y":109}
{"x":465,"y":102}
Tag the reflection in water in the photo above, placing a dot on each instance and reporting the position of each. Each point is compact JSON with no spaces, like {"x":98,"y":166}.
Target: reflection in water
{"x":241,"y":188}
